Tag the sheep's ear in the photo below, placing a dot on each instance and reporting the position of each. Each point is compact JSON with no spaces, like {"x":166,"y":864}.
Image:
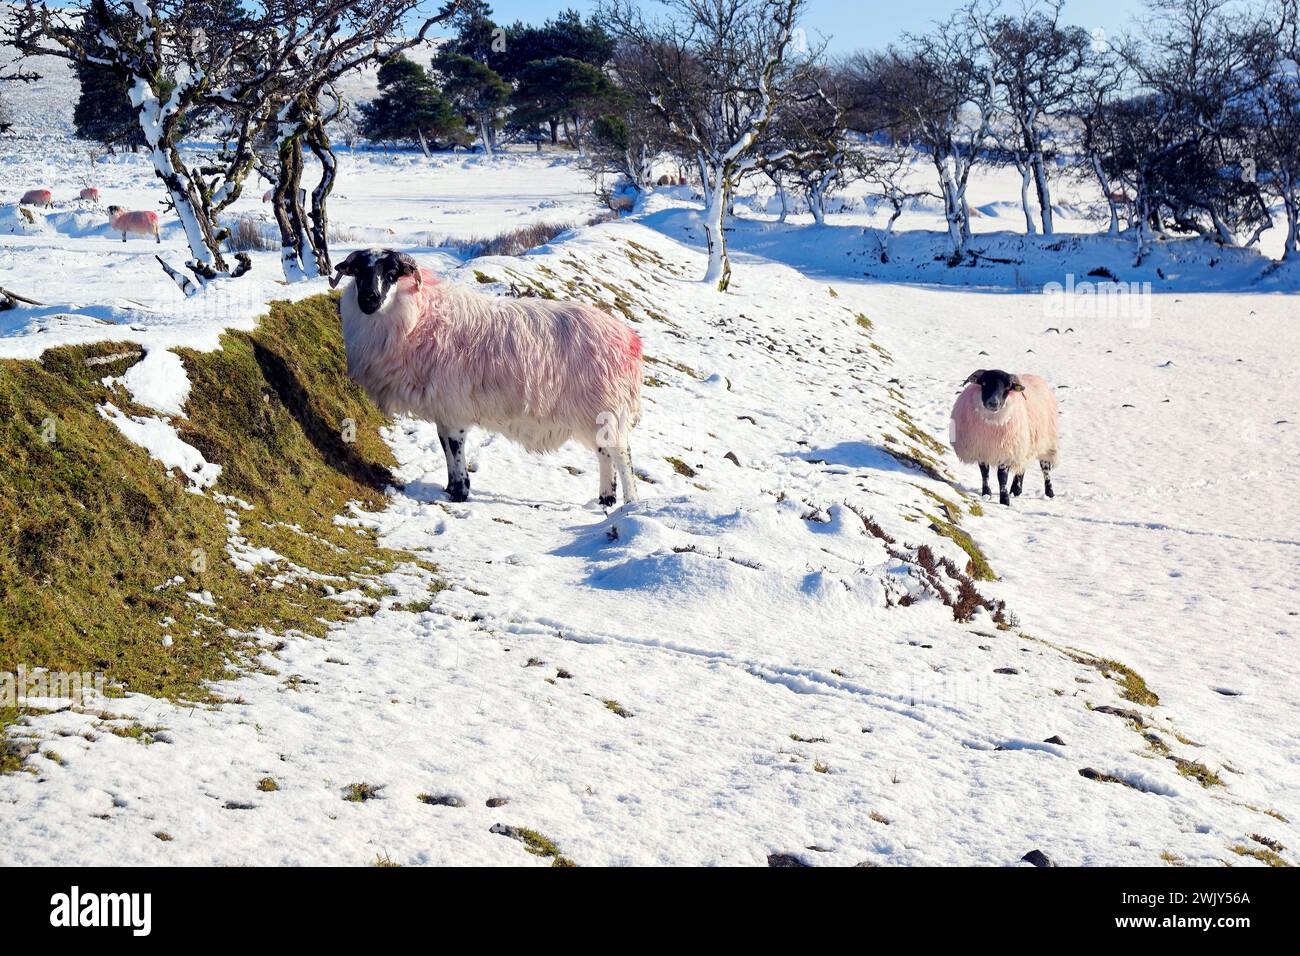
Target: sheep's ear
{"x":1016,"y":384}
{"x":974,"y":377}
{"x":345,"y":268}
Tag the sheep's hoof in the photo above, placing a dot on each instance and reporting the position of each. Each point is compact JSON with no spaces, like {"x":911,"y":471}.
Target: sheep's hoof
{"x":458,"y":492}
{"x":1049,"y":492}
{"x":607,"y":501}
{"x":1004,"y":499}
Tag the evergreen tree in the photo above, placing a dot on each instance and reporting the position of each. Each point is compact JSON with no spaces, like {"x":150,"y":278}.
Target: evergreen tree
{"x":103,"y":112}
{"x":410,"y":108}
{"x":567,"y":35}
{"x":560,"y":88}
{"x":475,"y":32}
{"x":476,"y":90}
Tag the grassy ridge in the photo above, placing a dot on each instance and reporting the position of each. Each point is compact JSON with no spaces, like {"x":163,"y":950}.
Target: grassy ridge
{"x":99,"y":546}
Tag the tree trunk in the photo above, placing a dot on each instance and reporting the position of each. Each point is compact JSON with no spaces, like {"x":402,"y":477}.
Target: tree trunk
{"x":319,"y":143}
{"x":1044,"y":193}
{"x":424,"y":144}
{"x":718,"y":272}
{"x":1109,"y":193}
{"x":483,"y":134}
{"x":817,"y":204}
{"x":287,"y":209}
{"x":555,"y":131}
{"x":953,"y":205}
{"x":1023,"y":168}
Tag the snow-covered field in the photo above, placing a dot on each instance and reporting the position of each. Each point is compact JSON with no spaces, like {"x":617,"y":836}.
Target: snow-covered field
{"x":724,"y":671}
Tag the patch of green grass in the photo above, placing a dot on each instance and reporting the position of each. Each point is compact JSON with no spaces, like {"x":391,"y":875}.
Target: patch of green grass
{"x":361,"y":792}
{"x":615,"y":707}
{"x":101,"y":544}
{"x":1260,"y":853}
{"x":914,"y":457}
{"x":672,"y":364}
{"x":268,"y":785}
{"x":540,"y":845}
{"x":978,"y":566}
{"x":384,"y":860}
{"x":864,"y":323}
{"x":483,"y":278}
{"x":923,"y":438}
{"x":138,"y":732}
{"x":1132,"y":687}
{"x":679,"y":466}
{"x":10,"y":758}
{"x":1195,"y":770}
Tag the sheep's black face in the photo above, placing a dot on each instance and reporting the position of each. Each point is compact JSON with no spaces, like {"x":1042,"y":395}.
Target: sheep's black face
{"x":995,"y":386}
{"x":374,"y":272}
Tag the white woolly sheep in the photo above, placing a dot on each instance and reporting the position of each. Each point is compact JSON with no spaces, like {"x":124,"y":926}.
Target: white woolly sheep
{"x":1006,"y":421}
{"x":536,"y":371}
{"x":89,"y":194}
{"x":37,"y":197}
{"x":139,"y":223}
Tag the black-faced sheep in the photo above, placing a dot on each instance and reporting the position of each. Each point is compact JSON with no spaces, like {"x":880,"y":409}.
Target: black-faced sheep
{"x":1006,"y":421}
{"x":537,"y":371}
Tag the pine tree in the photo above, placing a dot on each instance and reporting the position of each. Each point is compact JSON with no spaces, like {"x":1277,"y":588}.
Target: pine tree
{"x":103,"y":112}
{"x":410,"y":108}
{"x":476,"y":90}
{"x":560,"y":88}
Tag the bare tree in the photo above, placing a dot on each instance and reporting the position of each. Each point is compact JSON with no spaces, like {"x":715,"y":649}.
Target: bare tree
{"x":180,"y":57}
{"x":1038,"y":65}
{"x":1191,"y":62}
{"x":351,"y":34}
{"x":937,"y":92}
{"x":886,"y":169}
{"x":719,"y":72}
{"x":244,"y":66}
{"x":810,"y":142}
{"x":1273,"y":151}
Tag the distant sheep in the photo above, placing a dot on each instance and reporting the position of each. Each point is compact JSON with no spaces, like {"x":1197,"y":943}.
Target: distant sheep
{"x":139,"y":223}
{"x":537,"y":371}
{"x":37,"y":197}
{"x":1006,"y":421}
{"x":90,"y":194}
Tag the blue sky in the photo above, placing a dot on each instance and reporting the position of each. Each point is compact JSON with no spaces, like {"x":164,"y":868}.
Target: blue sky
{"x":861,"y":24}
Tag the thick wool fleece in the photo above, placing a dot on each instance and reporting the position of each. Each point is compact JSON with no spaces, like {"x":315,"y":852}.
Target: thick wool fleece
{"x":140,"y":223}
{"x":1023,"y":430}
{"x":537,"y":371}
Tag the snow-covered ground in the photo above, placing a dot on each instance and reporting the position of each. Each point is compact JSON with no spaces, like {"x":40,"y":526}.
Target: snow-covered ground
{"x":724,"y":671}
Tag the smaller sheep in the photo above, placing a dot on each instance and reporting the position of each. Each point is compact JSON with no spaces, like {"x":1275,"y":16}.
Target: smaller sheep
{"x":1006,"y":421}
{"x":140,"y":223}
{"x":90,"y":194}
{"x":37,"y":197}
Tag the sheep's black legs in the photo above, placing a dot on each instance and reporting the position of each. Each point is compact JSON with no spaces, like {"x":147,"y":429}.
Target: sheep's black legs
{"x":1003,"y":474}
{"x":608,"y":480}
{"x":453,"y":447}
{"x":984,"y":480}
{"x":1018,"y":484}
{"x":1047,"y":478}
